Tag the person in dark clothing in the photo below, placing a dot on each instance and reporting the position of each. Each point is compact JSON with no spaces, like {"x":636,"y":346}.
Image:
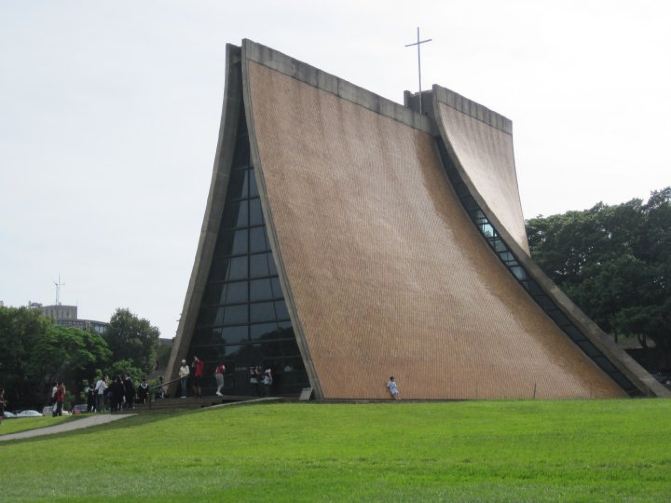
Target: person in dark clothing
{"x":3,"y":403}
{"x":91,"y":399}
{"x":117,"y":394}
{"x":143,"y":391}
{"x":129,"y":391}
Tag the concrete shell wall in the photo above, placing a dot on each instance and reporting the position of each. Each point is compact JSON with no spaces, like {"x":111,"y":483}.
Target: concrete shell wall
{"x":386,"y":273}
{"x":484,"y":149}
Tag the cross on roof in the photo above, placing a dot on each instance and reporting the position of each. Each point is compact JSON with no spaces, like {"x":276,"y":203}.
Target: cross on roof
{"x":419,"y":64}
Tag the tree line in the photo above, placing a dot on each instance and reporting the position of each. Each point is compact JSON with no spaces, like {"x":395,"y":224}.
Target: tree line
{"x":614,"y":261}
{"x":36,"y":353}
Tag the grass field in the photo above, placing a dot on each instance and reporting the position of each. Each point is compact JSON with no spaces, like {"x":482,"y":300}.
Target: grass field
{"x":616,"y":450}
{"x":30,"y":423}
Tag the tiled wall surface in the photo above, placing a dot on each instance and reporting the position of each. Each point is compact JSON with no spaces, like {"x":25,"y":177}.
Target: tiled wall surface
{"x":387,"y":273}
{"x":486,"y":155}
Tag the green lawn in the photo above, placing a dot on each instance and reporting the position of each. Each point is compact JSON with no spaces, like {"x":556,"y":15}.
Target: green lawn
{"x":616,"y":450}
{"x":30,"y":423}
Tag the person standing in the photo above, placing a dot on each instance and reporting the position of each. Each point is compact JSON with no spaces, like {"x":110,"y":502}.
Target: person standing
{"x":100,"y":389}
{"x":129,"y":391}
{"x":143,"y":391}
{"x":118,"y":391}
{"x":219,"y":377}
{"x":184,"y":377}
{"x":393,"y":388}
{"x":198,"y":366}
{"x":267,"y":381}
{"x":59,"y":398}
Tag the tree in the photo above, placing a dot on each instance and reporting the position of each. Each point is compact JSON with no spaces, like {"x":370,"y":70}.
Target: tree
{"x":35,"y":353}
{"x":134,"y":339}
{"x":615,"y":263}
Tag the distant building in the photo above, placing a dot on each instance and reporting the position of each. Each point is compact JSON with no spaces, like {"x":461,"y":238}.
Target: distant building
{"x":66,"y":316}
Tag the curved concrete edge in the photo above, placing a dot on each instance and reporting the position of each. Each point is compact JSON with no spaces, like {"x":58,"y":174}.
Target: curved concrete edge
{"x":216,"y":200}
{"x":640,"y":377}
{"x":78,"y":424}
{"x":257,"y":51}
{"x":315,"y":77}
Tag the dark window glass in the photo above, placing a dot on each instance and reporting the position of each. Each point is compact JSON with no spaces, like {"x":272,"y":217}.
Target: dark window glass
{"x":253,"y":191}
{"x":234,"y":293}
{"x":261,"y":265}
{"x":238,"y":187}
{"x":260,"y":289}
{"x":257,"y":240}
{"x":263,"y":311}
{"x":241,"y":159}
{"x":255,"y":213}
{"x":235,"y":315}
{"x":281,"y":310}
{"x":234,"y":335}
{"x":264,"y":331}
{"x":225,"y":269}
{"x":236,"y":214}
{"x":211,"y":316}
{"x":277,"y":289}
{"x":234,"y":242}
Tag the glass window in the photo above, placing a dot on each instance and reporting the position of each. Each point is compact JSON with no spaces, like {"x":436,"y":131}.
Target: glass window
{"x":261,"y":265}
{"x":234,"y":335}
{"x":255,"y":213}
{"x":260,"y":289}
{"x":253,"y":191}
{"x":257,"y":239}
{"x":241,"y":159}
{"x":234,"y":293}
{"x":281,"y":310}
{"x":263,"y":331}
{"x":234,"y":242}
{"x":263,"y":311}
{"x":224,"y":269}
{"x":277,"y":289}
{"x":234,"y":315}
{"x":236,"y":214}
{"x":238,"y":187}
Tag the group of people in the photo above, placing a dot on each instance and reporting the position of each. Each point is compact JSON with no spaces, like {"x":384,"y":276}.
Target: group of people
{"x":117,"y":394}
{"x":260,"y":380}
{"x":195,"y":373}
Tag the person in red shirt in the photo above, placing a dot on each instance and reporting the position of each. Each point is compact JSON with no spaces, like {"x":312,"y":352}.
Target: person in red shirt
{"x":59,"y":398}
{"x":198,"y":370}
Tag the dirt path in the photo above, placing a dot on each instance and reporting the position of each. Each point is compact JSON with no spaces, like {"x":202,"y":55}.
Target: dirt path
{"x":68,"y":426}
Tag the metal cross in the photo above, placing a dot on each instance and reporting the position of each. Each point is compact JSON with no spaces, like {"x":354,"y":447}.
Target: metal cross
{"x":419,"y":64}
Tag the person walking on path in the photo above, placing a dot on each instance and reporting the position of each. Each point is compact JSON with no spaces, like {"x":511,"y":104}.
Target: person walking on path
{"x":219,"y":376}
{"x":184,"y":377}
{"x":393,"y":388}
{"x":101,"y":389}
{"x":59,"y":398}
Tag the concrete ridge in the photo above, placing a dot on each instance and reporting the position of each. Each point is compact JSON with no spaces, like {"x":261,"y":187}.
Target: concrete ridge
{"x":472,"y":109}
{"x":344,"y":89}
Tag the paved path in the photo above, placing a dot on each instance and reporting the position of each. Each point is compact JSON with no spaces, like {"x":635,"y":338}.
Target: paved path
{"x":76,"y":424}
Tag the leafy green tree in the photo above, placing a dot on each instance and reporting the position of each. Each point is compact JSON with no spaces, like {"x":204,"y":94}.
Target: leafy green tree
{"x":615,"y":263}
{"x":132,"y":338}
{"x":35,"y":353}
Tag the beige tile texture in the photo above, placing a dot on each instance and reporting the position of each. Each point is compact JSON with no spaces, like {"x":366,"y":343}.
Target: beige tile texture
{"x":486,"y":155}
{"x":388,"y":275}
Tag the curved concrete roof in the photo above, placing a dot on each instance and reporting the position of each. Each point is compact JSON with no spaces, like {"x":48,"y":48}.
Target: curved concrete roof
{"x":482,"y":143}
